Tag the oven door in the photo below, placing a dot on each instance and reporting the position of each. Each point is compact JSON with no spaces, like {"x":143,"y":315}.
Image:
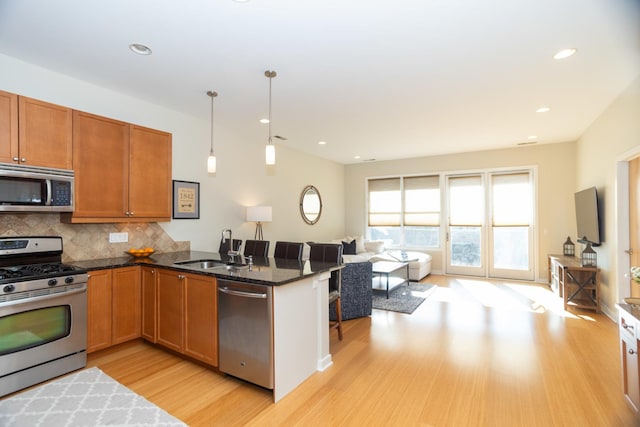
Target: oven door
{"x":41,"y":329}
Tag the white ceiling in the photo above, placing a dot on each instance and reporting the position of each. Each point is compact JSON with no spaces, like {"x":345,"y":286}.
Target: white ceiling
{"x":374,"y":78}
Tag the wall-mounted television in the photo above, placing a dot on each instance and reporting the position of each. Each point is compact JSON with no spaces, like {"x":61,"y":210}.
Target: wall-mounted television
{"x":587,"y":217}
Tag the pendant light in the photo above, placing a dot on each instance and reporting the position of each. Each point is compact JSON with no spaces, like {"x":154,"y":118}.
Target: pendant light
{"x":211,"y":161}
{"x":270,"y":150}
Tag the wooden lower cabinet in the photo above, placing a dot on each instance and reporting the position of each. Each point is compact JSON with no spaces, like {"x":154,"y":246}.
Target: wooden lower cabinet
{"x":126,"y":304}
{"x":170,"y":309}
{"x":187,"y":314}
{"x":99,"y":310}
{"x":201,"y":318}
{"x":113,"y":307}
{"x":149,"y":277}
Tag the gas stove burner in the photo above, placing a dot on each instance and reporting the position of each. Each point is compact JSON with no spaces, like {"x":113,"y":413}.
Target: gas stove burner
{"x":9,"y":274}
{"x":40,"y":269}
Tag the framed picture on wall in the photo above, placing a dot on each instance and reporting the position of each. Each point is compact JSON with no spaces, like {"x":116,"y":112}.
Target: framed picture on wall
{"x":186,"y":200}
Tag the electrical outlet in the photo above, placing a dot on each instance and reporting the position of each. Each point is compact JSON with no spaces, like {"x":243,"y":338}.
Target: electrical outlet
{"x":118,"y":237}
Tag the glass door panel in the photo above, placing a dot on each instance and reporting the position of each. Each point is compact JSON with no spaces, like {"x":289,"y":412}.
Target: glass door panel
{"x":465,"y":229}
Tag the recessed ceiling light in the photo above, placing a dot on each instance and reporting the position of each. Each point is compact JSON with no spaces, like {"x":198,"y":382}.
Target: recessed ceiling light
{"x":565,"y":53}
{"x":140,"y":49}
{"x":530,"y":137}
{"x":356,"y":157}
{"x":264,"y":121}
{"x":322,"y":142}
{"x":543,"y":110}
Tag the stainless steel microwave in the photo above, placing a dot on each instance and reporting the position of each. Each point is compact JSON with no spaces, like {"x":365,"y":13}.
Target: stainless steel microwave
{"x":35,"y":189}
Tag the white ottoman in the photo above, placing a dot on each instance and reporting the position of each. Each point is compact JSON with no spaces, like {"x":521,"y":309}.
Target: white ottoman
{"x":419,"y":262}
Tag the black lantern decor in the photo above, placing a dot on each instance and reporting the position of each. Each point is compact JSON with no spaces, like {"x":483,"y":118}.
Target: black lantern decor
{"x":569,"y":249}
{"x":589,"y":257}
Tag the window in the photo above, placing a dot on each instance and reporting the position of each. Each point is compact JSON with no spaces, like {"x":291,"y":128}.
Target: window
{"x":405,"y":211}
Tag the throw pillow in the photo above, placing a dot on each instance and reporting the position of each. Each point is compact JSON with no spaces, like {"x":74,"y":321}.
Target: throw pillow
{"x":349,"y":248}
{"x":375,"y":246}
{"x":359,"y":244}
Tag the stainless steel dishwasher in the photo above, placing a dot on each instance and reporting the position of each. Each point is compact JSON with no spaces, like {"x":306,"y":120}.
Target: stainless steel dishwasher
{"x":245,"y":331}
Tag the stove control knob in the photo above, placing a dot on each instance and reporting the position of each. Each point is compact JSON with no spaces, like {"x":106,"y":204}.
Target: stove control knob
{"x":52,"y":282}
{"x":9,"y":288}
{"x":68,"y":280}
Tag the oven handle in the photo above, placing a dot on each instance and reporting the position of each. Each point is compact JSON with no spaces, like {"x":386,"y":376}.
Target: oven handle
{"x":45,"y":297}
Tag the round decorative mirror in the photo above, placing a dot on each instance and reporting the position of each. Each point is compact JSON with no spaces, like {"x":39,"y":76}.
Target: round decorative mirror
{"x":310,"y":205}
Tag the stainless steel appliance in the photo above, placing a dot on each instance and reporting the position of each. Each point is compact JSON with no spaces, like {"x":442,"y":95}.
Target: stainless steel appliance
{"x":35,"y":189}
{"x":43,"y":312}
{"x":245,"y":331}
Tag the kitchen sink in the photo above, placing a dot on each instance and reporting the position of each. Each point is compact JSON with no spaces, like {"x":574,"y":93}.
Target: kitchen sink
{"x":209,"y":264}
{"x":203,"y":263}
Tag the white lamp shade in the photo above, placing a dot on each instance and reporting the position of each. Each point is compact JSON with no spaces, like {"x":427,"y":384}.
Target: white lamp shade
{"x":211,"y":164}
{"x":270,"y":154}
{"x":259,"y":214}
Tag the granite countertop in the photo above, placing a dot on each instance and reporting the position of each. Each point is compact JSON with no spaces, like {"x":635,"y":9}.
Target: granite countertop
{"x":633,"y":310}
{"x":265,"y":271}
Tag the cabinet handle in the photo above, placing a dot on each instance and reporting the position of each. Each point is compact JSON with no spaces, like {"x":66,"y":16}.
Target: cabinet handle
{"x":626,"y":326}
{"x":631,"y":351}
{"x":16,"y":159}
{"x":23,"y":160}
{"x":180,"y":276}
{"x":131,"y":213}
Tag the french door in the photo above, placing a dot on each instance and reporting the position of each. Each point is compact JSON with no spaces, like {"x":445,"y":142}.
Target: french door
{"x":490,"y":227}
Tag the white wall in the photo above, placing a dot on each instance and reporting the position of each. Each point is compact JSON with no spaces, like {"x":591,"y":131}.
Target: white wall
{"x":242,"y":178}
{"x":615,"y":132}
{"x":556,"y":184}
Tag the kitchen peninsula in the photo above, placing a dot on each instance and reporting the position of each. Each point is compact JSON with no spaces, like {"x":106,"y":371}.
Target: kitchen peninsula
{"x":160,"y":286}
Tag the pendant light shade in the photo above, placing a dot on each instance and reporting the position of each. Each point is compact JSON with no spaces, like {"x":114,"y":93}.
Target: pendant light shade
{"x":270,"y":154}
{"x":211,"y":161}
{"x":270,"y":150}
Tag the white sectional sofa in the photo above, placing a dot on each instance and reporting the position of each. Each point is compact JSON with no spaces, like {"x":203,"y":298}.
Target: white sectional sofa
{"x":374,"y":250}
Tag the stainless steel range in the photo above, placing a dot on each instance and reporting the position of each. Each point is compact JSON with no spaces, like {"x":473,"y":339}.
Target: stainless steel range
{"x":43,"y":312}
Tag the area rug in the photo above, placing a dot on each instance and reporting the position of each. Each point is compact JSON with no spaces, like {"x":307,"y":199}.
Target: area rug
{"x":403,"y":298}
{"x":85,"y":398}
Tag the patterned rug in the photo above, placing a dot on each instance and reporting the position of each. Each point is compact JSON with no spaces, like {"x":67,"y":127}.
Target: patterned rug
{"x":86,"y":398}
{"x":403,"y":298}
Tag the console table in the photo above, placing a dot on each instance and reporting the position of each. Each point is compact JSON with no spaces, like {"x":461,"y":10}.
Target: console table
{"x":577,"y":285}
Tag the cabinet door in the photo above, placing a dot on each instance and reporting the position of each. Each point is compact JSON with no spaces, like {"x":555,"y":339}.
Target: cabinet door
{"x":8,"y":127}
{"x":170,"y":308}
{"x":631,"y":381}
{"x":101,"y":159}
{"x":44,"y":134}
{"x":126,"y":303}
{"x":201,"y":319}
{"x":99,"y":312}
{"x":149,"y":304}
{"x":150,"y":174}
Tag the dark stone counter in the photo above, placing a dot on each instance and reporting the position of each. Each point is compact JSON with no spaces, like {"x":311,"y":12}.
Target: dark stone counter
{"x":265,"y":271}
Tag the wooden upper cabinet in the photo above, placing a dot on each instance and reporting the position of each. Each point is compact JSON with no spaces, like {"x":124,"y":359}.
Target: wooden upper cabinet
{"x":8,"y":127}
{"x":123,"y":172}
{"x":101,"y":156}
{"x":149,"y":173}
{"x":44,"y":134}
{"x":35,"y":133}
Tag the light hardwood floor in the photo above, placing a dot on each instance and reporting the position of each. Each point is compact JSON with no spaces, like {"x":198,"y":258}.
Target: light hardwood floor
{"x":475,"y":353}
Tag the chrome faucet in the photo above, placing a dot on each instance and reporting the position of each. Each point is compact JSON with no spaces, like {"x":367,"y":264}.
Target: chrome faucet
{"x":224,"y":239}
{"x":232,"y":252}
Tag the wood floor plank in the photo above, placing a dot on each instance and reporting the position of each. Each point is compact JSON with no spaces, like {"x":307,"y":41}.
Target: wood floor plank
{"x":475,"y":353}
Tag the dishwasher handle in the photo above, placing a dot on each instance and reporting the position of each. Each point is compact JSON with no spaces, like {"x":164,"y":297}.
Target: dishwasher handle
{"x":258,"y":295}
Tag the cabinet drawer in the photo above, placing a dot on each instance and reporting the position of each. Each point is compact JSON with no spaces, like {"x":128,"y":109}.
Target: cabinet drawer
{"x":627,"y":325}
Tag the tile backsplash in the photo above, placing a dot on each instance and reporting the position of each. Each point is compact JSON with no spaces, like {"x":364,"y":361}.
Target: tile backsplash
{"x":89,"y":241}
